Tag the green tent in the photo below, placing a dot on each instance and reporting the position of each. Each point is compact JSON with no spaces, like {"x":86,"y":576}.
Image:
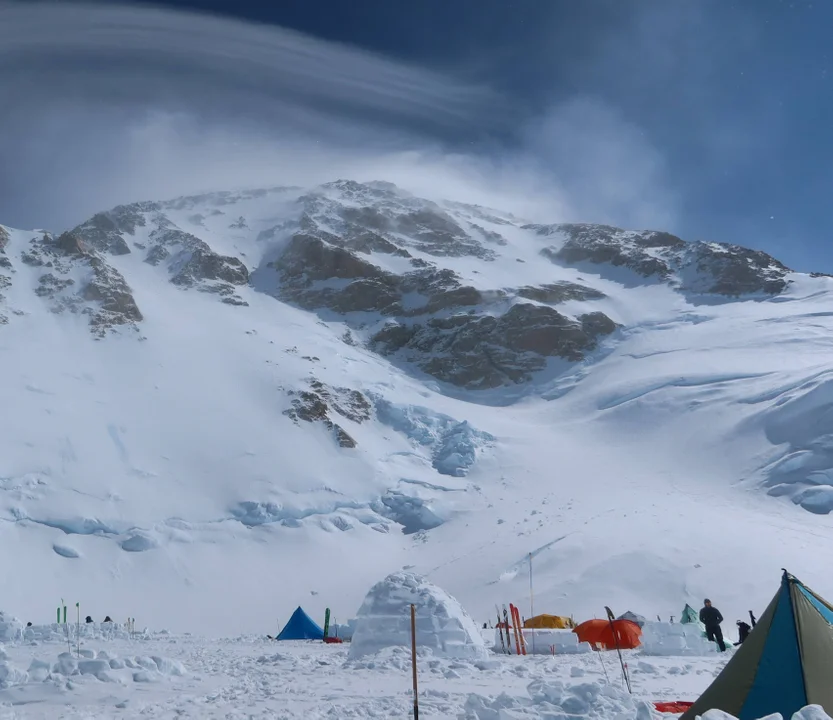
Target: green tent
{"x":784,"y":664}
{"x":691,"y":617}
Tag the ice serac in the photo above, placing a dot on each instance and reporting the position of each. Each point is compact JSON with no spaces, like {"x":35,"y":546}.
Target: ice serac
{"x":442,"y":625}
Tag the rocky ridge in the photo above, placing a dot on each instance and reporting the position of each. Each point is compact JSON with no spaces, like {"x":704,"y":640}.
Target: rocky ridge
{"x":190,"y":261}
{"x":696,"y":267}
{"x":385,"y":262}
{"x":75,"y":278}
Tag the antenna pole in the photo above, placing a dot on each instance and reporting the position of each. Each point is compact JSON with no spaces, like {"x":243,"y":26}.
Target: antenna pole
{"x":531,"y":602}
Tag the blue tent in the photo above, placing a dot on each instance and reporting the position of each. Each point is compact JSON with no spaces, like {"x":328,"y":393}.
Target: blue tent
{"x":301,"y":627}
{"x":783,"y":665}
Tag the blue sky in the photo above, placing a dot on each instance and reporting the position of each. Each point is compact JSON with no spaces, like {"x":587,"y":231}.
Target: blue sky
{"x":709,"y":118}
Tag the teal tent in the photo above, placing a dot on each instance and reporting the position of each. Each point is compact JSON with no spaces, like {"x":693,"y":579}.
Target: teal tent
{"x":691,"y":617}
{"x":301,"y":627}
{"x":784,"y":664}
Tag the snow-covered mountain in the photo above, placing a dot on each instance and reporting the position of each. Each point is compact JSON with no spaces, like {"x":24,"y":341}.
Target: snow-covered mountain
{"x":219,"y":407}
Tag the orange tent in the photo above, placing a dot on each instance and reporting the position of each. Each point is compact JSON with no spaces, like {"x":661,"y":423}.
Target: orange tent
{"x":600,"y":634}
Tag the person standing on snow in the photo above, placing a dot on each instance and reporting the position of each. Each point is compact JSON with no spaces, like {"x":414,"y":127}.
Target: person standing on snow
{"x":710,"y":617}
{"x":743,"y":632}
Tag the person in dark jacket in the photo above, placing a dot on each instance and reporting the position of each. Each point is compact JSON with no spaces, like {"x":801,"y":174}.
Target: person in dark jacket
{"x":710,"y":617}
{"x":743,"y":631}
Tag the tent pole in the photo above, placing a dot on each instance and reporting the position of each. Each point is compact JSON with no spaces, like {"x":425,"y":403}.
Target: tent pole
{"x":414,"y":660}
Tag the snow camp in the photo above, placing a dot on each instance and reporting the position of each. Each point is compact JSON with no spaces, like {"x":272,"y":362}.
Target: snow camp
{"x":408,"y":630}
{"x":453,"y":359}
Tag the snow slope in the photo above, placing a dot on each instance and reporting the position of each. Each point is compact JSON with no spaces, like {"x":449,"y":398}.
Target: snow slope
{"x":244,"y":402}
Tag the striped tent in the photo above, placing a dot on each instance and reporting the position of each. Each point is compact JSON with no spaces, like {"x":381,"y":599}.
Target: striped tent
{"x":785,"y":664}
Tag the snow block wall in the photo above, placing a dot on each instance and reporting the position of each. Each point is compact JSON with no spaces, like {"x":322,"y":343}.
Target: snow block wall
{"x":543,"y":642}
{"x":442,"y":625}
{"x":675,"y":639}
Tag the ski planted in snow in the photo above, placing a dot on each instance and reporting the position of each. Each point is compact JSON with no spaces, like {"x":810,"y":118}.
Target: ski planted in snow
{"x":516,"y":621}
{"x":508,"y":634}
{"x":500,"y":630}
{"x":611,"y":618}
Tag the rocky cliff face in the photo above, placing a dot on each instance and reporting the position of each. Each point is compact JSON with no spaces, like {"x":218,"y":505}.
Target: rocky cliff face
{"x":712,"y":268}
{"x":415,"y":280}
{"x":73,"y":277}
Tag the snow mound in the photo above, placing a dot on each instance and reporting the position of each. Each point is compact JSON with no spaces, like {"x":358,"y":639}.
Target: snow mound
{"x":802,"y":424}
{"x":11,"y":629}
{"x":556,"y":700}
{"x":675,"y":640}
{"x":66,"y":551}
{"x":442,"y":625}
{"x":102,"y":666}
{"x":811,"y":712}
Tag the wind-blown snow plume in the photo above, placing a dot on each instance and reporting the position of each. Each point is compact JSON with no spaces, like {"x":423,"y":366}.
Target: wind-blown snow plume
{"x":112,"y":103}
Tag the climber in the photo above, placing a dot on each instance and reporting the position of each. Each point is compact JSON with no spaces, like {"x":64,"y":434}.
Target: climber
{"x":743,"y":632}
{"x":710,"y":617}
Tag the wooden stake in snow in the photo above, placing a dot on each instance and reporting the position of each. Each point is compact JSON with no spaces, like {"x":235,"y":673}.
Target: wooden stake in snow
{"x":413,"y":660}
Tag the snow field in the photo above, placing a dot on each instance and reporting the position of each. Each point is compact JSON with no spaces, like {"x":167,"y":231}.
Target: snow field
{"x":253,"y":678}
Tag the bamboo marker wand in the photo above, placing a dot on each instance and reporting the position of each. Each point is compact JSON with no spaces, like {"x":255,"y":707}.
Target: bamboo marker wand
{"x":414,"y":660}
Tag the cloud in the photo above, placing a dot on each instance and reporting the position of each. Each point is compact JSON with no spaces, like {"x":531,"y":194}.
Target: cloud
{"x":113,"y":104}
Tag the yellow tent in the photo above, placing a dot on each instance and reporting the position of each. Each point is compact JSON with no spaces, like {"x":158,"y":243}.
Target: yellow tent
{"x":556,"y":622}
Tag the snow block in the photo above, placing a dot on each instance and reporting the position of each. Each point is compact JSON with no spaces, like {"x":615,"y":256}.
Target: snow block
{"x":10,"y":675}
{"x":442,"y":625}
{"x":11,"y":629}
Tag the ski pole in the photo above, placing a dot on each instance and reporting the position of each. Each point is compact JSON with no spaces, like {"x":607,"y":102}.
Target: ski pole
{"x":610,"y":619}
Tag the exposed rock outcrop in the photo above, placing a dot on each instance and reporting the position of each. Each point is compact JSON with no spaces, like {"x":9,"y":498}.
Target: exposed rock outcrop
{"x":710,"y":268}
{"x":316,"y":274}
{"x":314,"y":405}
{"x":559,"y":292}
{"x":483,"y":351}
{"x":79,"y":280}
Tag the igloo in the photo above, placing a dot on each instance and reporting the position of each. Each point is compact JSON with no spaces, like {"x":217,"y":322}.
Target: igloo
{"x":442,"y":625}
